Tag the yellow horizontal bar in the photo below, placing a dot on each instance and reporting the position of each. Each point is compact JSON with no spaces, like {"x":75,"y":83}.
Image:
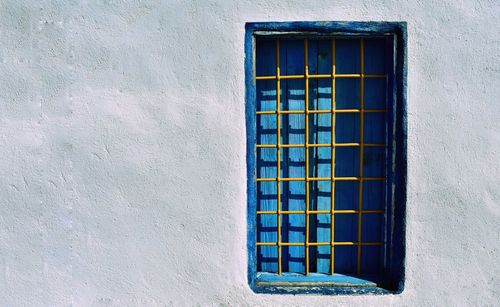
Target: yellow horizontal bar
{"x":265,"y":112}
{"x":319,"y":76}
{"x":357,"y":211}
{"x":321,"y":212}
{"x":322,"y":76}
{"x":265,"y":78}
{"x":295,"y":212}
{"x":304,"y":145}
{"x":266,"y":179}
{"x":318,"y":145}
{"x":347,"y":75}
{"x":291,"y":179}
{"x":280,"y":112}
{"x":321,"y":111}
{"x":358,"y":111}
{"x":268,"y":212}
{"x":360,"y":75}
{"x":317,"y":243}
{"x":358,"y":144}
{"x":320,"y":179}
{"x":292,"y":77}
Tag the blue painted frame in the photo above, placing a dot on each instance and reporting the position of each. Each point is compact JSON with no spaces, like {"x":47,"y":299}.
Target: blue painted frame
{"x":338,"y":284}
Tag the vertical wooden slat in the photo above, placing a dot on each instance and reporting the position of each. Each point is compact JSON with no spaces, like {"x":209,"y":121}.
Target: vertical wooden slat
{"x":278,"y":158}
{"x":332,"y":197}
{"x":307,"y":149}
{"x":361,"y":151}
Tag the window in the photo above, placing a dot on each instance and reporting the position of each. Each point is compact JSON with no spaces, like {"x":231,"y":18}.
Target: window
{"x":326,"y":156}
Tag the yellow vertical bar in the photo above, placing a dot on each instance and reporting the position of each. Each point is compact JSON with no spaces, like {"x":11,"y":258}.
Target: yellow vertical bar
{"x":306,"y":55}
{"x":361,"y":146}
{"x":278,"y":158}
{"x":332,"y":197}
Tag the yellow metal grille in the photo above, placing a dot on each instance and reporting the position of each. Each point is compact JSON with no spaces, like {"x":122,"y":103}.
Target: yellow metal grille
{"x":361,"y":144}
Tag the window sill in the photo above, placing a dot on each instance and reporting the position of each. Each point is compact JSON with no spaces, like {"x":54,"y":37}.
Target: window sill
{"x":315,"y":283}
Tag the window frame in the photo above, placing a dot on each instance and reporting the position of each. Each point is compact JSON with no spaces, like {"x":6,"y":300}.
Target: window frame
{"x":396,"y":178}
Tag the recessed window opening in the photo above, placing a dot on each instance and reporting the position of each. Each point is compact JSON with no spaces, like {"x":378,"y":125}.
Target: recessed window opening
{"x":319,"y":162}
{"x":324,"y":134}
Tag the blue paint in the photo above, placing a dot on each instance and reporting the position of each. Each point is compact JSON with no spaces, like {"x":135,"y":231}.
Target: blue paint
{"x":331,"y":27}
{"x":398,"y":260}
{"x":320,"y":129}
{"x":250,"y":130}
{"x":393,"y":281}
{"x":389,"y":204}
{"x":267,"y":256}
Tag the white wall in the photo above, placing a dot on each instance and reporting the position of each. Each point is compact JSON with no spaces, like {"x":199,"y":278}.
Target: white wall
{"x":122,"y":151}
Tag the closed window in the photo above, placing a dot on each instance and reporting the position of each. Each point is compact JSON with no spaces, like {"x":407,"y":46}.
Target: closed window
{"x":323,"y":150}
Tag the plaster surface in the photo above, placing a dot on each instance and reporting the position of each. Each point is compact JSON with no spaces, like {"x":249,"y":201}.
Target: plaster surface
{"x":122,"y":151}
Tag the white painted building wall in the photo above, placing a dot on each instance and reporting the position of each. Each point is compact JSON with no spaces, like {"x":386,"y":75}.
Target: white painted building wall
{"x":122,"y":151}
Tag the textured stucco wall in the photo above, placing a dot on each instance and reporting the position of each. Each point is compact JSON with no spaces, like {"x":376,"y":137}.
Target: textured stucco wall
{"x":122,"y":151}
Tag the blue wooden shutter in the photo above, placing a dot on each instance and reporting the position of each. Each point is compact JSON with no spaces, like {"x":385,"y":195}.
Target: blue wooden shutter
{"x":347,"y":159}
